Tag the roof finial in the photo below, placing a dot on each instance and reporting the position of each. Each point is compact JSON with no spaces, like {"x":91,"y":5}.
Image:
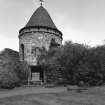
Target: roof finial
{"x":41,"y":2}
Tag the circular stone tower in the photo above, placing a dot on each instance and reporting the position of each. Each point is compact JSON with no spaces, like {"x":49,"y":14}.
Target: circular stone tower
{"x":37,"y":34}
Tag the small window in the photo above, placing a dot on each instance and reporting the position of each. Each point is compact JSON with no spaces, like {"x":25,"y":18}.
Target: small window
{"x":22,"y":51}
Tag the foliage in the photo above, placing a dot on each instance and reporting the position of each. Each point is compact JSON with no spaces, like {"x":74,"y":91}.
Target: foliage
{"x":80,"y":62}
{"x":12,"y":71}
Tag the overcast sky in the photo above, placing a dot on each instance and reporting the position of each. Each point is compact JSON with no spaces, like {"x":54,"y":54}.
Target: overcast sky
{"x":81,"y":21}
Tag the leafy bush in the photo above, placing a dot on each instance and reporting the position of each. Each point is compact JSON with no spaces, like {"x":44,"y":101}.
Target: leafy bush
{"x":12,"y":71}
{"x":8,"y":80}
{"x":80,"y":62}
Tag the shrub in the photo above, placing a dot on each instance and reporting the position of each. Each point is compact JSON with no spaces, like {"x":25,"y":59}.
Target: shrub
{"x":12,"y":71}
{"x":8,"y":79}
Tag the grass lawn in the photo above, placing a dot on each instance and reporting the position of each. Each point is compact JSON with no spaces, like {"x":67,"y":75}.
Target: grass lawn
{"x":92,"y":96}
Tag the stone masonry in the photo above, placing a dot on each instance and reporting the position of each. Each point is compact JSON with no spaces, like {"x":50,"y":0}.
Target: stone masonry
{"x":38,"y":33}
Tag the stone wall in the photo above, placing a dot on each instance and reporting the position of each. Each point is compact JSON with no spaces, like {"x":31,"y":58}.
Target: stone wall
{"x":36,"y":38}
{"x":55,"y":74}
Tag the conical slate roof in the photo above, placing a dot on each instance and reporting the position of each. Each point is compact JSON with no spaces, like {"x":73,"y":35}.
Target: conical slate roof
{"x":41,"y":18}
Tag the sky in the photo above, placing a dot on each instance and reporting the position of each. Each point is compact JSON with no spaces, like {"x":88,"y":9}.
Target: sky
{"x":80,"y":21}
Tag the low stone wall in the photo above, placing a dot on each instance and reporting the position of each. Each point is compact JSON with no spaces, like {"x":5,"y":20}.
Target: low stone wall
{"x":55,"y":74}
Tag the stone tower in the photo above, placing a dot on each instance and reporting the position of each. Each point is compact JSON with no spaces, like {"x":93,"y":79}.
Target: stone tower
{"x":37,"y":34}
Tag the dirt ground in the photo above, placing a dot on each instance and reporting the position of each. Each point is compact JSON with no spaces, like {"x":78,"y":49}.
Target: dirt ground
{"x":52,"y":96}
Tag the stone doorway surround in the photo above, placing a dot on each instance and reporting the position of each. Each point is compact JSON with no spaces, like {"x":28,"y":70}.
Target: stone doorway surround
{"x":36,"y":75}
